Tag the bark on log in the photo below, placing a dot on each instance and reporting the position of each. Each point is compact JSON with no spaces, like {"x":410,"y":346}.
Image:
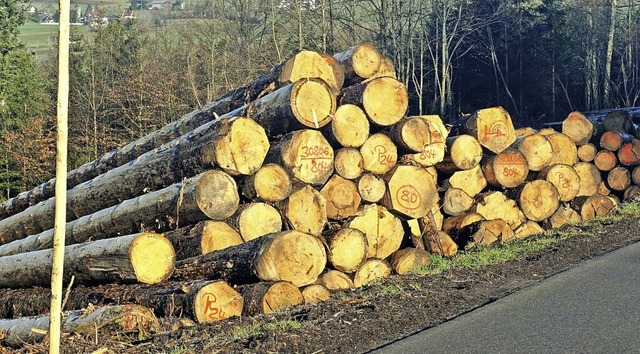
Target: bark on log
{"x":349,"y":127}
{"x":564,"y":149}
{"x":335,"y":280}
{"x":271,"y":183}
{"x":305,"y":210}
{"x":484,"y":233}
{"x":507,"y":169}
{"x":315,"y":293}
{"x":410,"y":134}
{"x":631,"y":194}
{"x":619,"y":178}
{"x":371,"y":188}
{"x":578,"y":128}
{"x":538,"y":200}
{"x":411,"y":191}
{"x":537,"y":150}
{"x":460,"y":221}
{"x":384,"y":231}
{"x":210,"y":195}
{"x":349,"y":163}
{"x":635,"y":175}
{"x":255,"y":220}
{"x":203,"y":237}
{"x":266,"y":297}
{"x":591,"y":207}
{"x":491,"y":126}
{"x":613,"y":141}
{"x":306,"y":155}
{"x":564,"y":178}
{"x":289,"y":255}
{"x":564,"y":215}
{"x":121,"y":319}
{"x":384,"y":100}
{"x":407,"y":260}
{"x":147,"y":258}
{"x":371,"y":270}
{"x":587,"y":152}
{"x":188,"y":156}
{"x":342,"y":198}
{"x":347,"y":249}
{"x":590,"y":178}
{"x":360,"y":62}
{"x":495,"y":205}
{"x":379,"y":154}
{"x":307,"y":103}
{"x":618,"y":121}
{"x":463,"y":152}
{"x":456,"y":201}
{"x":441,"y":244}
{"x":471,"y":181}
{"x":605,"y":160}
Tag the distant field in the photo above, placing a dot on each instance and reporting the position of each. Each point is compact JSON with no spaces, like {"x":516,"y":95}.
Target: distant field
{"x":40,"y":38}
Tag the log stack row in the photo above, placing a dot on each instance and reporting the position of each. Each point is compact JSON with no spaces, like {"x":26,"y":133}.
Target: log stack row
{"x":310,"y":179}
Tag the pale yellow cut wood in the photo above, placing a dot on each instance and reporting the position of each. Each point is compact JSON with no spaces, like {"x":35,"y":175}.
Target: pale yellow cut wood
{"x":342,"y":198}
{"x":410,"y":134}
{"x":605,"y":160}
{"x":493,"y":128}
{"x":524,"y":131}
{"x":538,"y":200}
{"x":495,"y":205}
{"x":590,"y":178}
{"x":309,"y":64}
{"x":383,"y":230}
{"x":463,"y":152}
{"x":315,"y":294}
{"x":564,"y":215}
{"x":371,"y":270}
{"x":591,"y":207}
{"x":603,"y":189}
{"x":471,"y":181}
{"x":241,"y":147}
{"x":360,"y":61}
{"x":564,"y":178}
{"x":411,"y":191}
{"x":335,"y":280}
{"x":587,"y":152}
{"x":347,"y":249}
{"x":507,"y":169}
{"x":578,"y":128}
{"x":305,"y":210}
{"x":547,"y":131}
{"x":350,"y":126}
{"x":460,"y":221}
{"x":456,"y":201}
{"x":536,"y":149}
{"x":379,"y":154}
{"x":216,"y":301}
{"x":217,"y":235}
{"x":337,"y":69}
{"x":271,"y":183}
{"x":386,"y":68}
{"x":441,"y":244}
{"x":529,"y":228}
{"x":407,"y":260}
{"x":268,"y":297}
{"x":484,"y":233}
{"x":371,"y":188}
{"x":564,"y":149}
{"x":349,"y":163}
{"x":384,"y":100}
{"x":254,"y":220}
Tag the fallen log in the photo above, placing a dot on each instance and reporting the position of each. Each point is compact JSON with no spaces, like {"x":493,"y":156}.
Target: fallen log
{"x":360,"y":62}
{"x":210,"y":195}
{"x":492,"y":127}
{"x":384,"y":100}
{"x":108,"y":319}
{"x":203,"y":237}
{"x":289,"y":255}
{"x":146,"y":258}
{"x":266,"y":297}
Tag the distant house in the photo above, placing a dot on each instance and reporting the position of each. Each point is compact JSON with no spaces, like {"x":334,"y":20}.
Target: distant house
{"x":290,"y":5}
{"x":159,"y":4}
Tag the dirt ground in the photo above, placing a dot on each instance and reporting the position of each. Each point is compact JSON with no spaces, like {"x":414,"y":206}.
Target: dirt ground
{"x":363,"y":319}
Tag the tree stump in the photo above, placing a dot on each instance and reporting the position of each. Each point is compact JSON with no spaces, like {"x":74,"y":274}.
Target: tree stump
{"x":385,"y":100}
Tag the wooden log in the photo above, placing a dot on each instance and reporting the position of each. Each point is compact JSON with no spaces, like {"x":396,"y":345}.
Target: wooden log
{"x":471,"y":181}
{"x":371,"y":188}
{"x":492,"y":127}
{"x":267,"y":297}
{"x":255,"y":220}
{"x":631,"y":194}
{"x":495,"y":205}
{"x":306,"y":103}
{"x":603,"y":189}
{"x":306,"y":155}
{"x":383,"y":230}
{"x":347,"y":249}
{"x":303,"y":65}
{"x":121,"y":319}
{"x":613,"y":141}
{"x":618,"y":121}
{"x":564,"y":178}
{"x":605,"y":160}
{"x":386,"y":69}
{"x":210,"y":195}
{"x":529,"y":228}
{"x":564,"y":215}
{"x":315,"y":293}
{"x":635,"y":176}
{"x":629,"y":153}
{"x":360,"y":62}
{"x":590,"y":178}
{"x":349,"y":163}
{"x":483,"y":233}
{"x":379,"y":154}
{"x":577,"y":127}
{"x":463,"y":152}
{"x":335,"y":280}
{"x":433,"y":220}
{"x":411,"y":191}
{"x":203,"y":237}
{"x":384,"y":100}
{"x":538,"y":199}
{"x":410,"y":134}
{"x":337,"y":70}
{"x":349,"y":126}
{"x":456,"y":201}
{"x":289,"y":255}
{"x":591,"y":207}
{"x":619,"y":178}
{"x":146,"y":257}
{"x":587,"y":152}
{"x":371,"y":270}
{"x":433,"y":152}
{"x":507,"y":169}
{"x":271,"y":183}
{"x":305,"y":210}
{"x":441,"y":244}
{"x":524,"y":131}
{"x":547,"y":131}
{"x":308,"y":64}
{"x":460,"y":221}
{"x":342,"y":198}
{"x":564,"y":149}
{"x":408,"y":260}
{"x":536,"y":149}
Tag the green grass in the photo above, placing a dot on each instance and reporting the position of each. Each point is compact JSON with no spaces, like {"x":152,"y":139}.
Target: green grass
{"x":39,"y":38}
{"x":243,"y":332}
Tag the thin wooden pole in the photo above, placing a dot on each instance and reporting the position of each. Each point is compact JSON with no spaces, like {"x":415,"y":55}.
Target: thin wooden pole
{"x":61,"y":179}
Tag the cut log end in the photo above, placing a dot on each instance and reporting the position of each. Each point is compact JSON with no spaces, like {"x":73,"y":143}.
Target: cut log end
{"x":347,"y":249}
{"x":218,"y":235}
{"x":241,"y":151}
{"x":313,"y":103}
{"x":217,"y":301}
{"x":385,"y":100}
{"x":258,"y":219}
{"x":315,"y":293}
{"x":217,"y":195}
{"x":371,"y":270}
{"x":152,"y":258}
{"x":271,"y":183}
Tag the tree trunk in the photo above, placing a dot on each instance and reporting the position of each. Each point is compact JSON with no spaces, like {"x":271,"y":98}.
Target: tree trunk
{"x":564,"y":178}
{"x":590,"y":178}
{"x":146,"y":257}
{"x":410,"y":134}
{"x":289,"y":255}
{"x":360,"y":62}
{"x":407,"y":260}
{"x":112,"y":319}
{"x":564,"y":215}
{"x":564,"y":149}
{"x":255,"y":220}
{"x":349,"y":163}
{"x":384,"y":100}
{"x":384,"y":231}
{"x":347,"y":249}
{"x":371,"y":188}
{"x":471,"y":181}
{"x":507,"y":169}
{"x":210,"y":195}
{"x":462,"y":152}
{"x":537,"y":150}
{"x":306,"y":155}
{"x":342,"y":198}
{"x":495,"y":205}
{"x":305,"y":210}
{"x":411,"y":191}
{"x":619,"y":179}
{"x":192,"y":154}
{"x":492,"y":127}
{"x":379,"y":154}
{"x":349,"y":127}
{"x":271,"y":183}
{"x":456,"y":202}
{"x":203,"y":237}
{"x":605,"y":160}
{"x":307,"y":103}
{"x":613,"y":141}
{"x":538,"y":200}
{"x":266,"y":297}
{"x":371,"y":270}
{"x":587,"y":152}
{"x":577,"y":127}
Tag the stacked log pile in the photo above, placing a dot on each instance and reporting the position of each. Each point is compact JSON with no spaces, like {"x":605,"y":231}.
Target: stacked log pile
{"x":297,"y":185}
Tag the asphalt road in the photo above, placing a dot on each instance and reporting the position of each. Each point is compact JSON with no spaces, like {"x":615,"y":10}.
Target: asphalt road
{"x":591,"y":308}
